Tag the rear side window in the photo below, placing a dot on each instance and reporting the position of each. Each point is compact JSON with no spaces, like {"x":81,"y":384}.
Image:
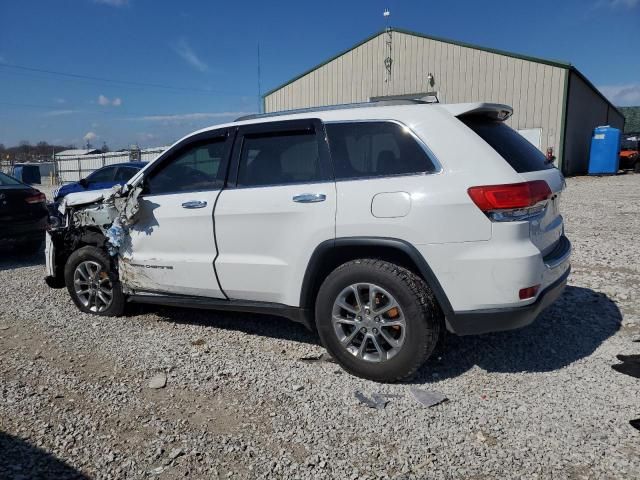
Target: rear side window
{"x":521,"y":154}
{"x":375,"y":149}
{"x":279,"y":158}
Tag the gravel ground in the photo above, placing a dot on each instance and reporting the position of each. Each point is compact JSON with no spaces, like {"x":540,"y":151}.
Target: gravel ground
{"x":541,"y":402}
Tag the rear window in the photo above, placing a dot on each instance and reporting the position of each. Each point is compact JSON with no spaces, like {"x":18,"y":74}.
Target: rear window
{"x":7,"y":180}
{"x":521,"y":154}
{"x":375,"y":149}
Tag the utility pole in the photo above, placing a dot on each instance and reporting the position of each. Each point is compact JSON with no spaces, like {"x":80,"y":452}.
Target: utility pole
{"x":259,"y":83}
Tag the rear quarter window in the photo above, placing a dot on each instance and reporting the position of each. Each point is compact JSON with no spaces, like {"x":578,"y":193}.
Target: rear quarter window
{"x":513,"y":147}
{"x":375,"y":149}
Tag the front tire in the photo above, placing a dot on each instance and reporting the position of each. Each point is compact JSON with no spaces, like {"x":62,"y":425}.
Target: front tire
{"x":92,"y":283}
{"x":380,"y":321}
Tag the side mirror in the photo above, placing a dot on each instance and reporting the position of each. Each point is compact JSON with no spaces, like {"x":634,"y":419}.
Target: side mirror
{"x":84,"y":182}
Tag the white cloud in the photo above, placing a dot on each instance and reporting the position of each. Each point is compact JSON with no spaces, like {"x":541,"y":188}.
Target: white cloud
{"x":616,"y":3}
{"x":60,"y":100}
{"x":90,"y":136}
{"x":58,"y":113}
{"x":113,"y":3}
{"x":185,"y":51}
{"x":180,"y":117}
{"x":106,"y":101}
{"x":145,"y":137}
{"x":625,"y":3}
{"x":622,"y":95}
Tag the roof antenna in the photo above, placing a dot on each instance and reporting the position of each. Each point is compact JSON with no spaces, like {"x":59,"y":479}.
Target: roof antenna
{"x":388,"y":61}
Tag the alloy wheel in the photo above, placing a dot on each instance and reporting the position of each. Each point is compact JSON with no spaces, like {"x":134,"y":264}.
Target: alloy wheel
{"x":369,"y":322}
{"x":93,"y":286}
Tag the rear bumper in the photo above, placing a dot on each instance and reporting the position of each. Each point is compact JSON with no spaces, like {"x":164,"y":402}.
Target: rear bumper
{"x":500,"y":319}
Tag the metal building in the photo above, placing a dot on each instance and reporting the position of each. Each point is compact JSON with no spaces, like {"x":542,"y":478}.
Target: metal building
{"x":554,"y":104}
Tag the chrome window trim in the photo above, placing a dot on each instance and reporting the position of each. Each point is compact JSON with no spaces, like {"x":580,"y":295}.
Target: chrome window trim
{"x":436,"y":162}
{"x":318,"y":182}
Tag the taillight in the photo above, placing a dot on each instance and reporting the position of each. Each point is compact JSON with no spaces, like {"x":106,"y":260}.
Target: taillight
{"x":37,"y":198}
{"x":513,"y":201}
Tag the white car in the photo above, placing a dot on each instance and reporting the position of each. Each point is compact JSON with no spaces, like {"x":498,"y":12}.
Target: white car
{"x":378,"y":224}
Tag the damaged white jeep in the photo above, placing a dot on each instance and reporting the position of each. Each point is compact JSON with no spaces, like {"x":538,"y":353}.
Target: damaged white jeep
{"x":377,"y":224}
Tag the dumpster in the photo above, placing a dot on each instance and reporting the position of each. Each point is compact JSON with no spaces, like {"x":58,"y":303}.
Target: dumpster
{"x":605,"y":151}
{"x":27,"y":173}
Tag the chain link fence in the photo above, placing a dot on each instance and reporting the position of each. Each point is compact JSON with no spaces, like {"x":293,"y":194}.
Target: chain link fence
{"x":73,"y":168}
{"x":6,"y":166}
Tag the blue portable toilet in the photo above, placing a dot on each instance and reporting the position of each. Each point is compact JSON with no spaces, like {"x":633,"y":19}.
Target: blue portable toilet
{"x":605,"y":151}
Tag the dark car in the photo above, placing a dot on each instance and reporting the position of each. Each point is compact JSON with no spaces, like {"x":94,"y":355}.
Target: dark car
{"x":23,"y":215}
{"x":105,"y":177}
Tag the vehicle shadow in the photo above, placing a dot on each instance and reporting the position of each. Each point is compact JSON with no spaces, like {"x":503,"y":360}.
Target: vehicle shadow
{"x":571,"y":329}
{"x":249,"y":323}
{"x":11,"y":258}
{"x":19,"y":459}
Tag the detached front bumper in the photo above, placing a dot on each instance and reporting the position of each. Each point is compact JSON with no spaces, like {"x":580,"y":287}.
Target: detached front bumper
{"x":54,"y":277}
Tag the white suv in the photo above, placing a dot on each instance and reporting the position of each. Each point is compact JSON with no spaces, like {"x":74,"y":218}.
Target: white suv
{"x":377,"y":224}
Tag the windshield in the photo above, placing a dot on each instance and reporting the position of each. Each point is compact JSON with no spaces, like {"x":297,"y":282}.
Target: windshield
{"x":629,"y":145}
{"x":7,"y":180}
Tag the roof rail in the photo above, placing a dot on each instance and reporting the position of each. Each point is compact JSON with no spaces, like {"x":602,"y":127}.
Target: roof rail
{"x":372,"y":103}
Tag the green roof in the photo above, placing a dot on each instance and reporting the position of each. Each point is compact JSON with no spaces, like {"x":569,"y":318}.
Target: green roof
{"x":632,"y":119}
{"x":545,"y":61}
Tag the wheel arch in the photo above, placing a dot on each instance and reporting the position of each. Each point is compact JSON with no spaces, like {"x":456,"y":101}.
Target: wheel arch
{"x":65,"y":244}
{"x":332,"y":253}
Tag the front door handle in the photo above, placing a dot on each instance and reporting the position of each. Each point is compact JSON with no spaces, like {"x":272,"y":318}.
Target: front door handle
{"x":310,"y":198}
{"x":194,"y":204}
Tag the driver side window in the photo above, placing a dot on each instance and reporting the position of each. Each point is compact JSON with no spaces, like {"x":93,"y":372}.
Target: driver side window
{"x":195,"y":168}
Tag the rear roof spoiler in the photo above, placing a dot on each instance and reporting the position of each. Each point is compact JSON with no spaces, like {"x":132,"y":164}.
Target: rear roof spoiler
{"x":495,"y":111}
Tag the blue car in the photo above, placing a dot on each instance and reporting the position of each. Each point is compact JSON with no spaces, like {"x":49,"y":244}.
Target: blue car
{"x":105,"y":177}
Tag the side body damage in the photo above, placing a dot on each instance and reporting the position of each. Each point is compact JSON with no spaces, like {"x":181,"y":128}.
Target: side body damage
{"x":101,"y":219}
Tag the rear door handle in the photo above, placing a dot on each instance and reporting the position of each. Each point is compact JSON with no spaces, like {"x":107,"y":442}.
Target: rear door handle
{"x":310,"y":198}
{"x":194,"y":204}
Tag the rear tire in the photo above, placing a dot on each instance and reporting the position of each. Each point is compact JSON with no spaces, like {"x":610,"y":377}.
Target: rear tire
{"x":92,"y":282}
{"x":636,"y":167}
{"x":384,"y":347}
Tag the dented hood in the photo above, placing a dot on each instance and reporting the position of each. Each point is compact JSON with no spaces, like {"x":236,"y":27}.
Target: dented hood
{"x":86,"y":198}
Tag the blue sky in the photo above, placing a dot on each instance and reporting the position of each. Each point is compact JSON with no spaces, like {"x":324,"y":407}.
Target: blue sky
{"x":208,"y":50}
